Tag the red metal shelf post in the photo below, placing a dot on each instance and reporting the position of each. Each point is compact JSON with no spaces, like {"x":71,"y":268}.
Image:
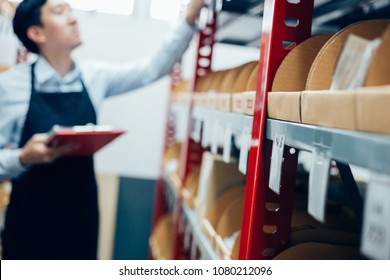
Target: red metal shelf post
{"x":262,"y":206}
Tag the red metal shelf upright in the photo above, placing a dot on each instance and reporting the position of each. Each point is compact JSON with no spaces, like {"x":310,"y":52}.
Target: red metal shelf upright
{"x":191,"y":152}
{"x":264,"y":209}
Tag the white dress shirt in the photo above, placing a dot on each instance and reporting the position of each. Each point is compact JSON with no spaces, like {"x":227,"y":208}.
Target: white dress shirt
{"x":101,"y":80}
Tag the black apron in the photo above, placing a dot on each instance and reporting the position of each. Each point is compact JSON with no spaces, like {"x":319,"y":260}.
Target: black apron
{"x":53,"y":210}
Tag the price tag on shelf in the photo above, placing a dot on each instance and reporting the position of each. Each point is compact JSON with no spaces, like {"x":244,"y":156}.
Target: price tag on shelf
{"x":318,"y":183}
{"x":275,"y":173}
{"x":197,"y":130}
{"x":214,"y":137}
{"x":245,"y":144}
{"x":376,"y":223}
{"x":227,"y":143}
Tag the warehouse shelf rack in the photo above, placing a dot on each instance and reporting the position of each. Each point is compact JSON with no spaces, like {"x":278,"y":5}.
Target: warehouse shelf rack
{"x":342,"y":146}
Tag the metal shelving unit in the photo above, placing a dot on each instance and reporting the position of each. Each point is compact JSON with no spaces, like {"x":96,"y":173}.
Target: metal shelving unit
{"x":345,"y":147}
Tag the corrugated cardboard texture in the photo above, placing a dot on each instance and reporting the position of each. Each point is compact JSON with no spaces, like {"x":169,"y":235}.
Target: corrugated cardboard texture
{"x":372,"y":106}
{"x":379,"y":71}
{"x":292,"y":73}
{"x":284,"y":106}
{"x":243,"y":77}
{"x":321,"y":72}
{"x":330,"y":109}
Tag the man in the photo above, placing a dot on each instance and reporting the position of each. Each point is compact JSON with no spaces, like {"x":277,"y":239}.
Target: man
{"x":53,"y":212}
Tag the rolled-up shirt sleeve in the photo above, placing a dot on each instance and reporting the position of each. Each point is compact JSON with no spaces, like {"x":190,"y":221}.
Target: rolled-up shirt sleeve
{"x":10,"y":165}
{"x":122,"y":78}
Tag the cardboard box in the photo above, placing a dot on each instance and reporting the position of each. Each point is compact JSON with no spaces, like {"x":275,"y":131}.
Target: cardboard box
{"x":212,"y":100}
{"x":378,"y":72}
{"x":237,"y":103}
{"x":252,"y":80}
{"x":284,"y":106}
{"x":284,"y":102}
{"x":215,"y":80}
{"x":224,"y":102}
{"x":292,"y":73}
{"x":161,"y":239}
{"x":228,"y":227}
{"x":334,"y":109}
{"x":216,"y":177}
{"x":190,"y":188}
{"x":372,"y":109}
{"x":321,"y":72}
{"x":243,"y":77}
{"x":248,"y":101}
{"x":213,"y":216}
{"x":229,"y":79}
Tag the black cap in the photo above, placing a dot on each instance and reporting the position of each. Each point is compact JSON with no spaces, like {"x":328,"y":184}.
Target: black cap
{"x":27,"y":14}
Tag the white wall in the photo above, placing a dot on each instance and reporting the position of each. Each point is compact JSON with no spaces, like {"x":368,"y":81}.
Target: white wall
{"x":143,"y":112}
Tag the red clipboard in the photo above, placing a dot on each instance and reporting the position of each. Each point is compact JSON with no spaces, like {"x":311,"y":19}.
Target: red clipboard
{"x":89,"y":138}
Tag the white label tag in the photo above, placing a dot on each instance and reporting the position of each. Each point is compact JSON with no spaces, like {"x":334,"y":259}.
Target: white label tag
{"x":206,"y":132}
{"x":318,"y":184}
{"x":197,"y":130}
{"x":214,"y":137}
{"x":376,"y":225}
{"x":353,"y":62}
{"x":276,"y":163}
{"x":243,"y":160}
{"x":227,"y":145}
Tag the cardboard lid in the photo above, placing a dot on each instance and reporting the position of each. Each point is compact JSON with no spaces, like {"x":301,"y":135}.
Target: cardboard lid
{"x":203,"y":82}
{"x":216,"y":80}
{"x":243,"y":77}
{"x":293,"y":71}
{"x":229,"y":79}
{"x":321,"y":72}
{"x":231,"y":219}
{"x":252,"y":81}
{"x":378,"y":72}
{"x":222,"y":202}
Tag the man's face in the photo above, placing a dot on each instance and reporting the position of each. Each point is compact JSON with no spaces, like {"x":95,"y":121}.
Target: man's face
{"x":59,"y":25}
